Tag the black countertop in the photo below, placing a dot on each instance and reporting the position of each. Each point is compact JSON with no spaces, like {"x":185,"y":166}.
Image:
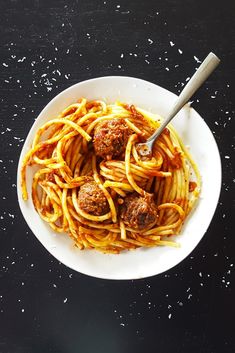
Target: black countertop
{"x":46,"y":46}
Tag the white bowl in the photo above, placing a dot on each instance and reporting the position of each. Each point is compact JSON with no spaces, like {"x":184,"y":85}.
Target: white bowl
{"x":192,"y":128}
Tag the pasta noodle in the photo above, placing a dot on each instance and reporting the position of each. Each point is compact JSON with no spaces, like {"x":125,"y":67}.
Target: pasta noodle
{"x":64,"y":151}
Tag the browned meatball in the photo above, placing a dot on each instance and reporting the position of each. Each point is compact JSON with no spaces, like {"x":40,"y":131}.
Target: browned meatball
{"x":139,"y":212}
{"x":92,"y":200}
{"x":110,"y":138}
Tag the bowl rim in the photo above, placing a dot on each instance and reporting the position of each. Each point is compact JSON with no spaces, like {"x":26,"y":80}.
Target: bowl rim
{"x":22,"y":153}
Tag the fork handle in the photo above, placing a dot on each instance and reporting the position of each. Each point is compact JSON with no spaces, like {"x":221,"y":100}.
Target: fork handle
{"x":202,"y":73}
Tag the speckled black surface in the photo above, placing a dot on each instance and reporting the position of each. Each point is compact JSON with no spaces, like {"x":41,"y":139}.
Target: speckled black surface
{"x":46,"y":46}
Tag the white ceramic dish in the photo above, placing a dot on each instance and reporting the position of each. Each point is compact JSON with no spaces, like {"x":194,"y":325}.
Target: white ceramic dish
{"x":192,"y":128}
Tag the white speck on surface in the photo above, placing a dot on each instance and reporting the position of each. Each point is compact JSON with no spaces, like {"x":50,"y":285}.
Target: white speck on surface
{"x":122,"y":55}
{"x":21,"y":60}
{"x":180,"y":51}
{"x":65,"y":300}
{"x":172,"y":44}
{"x":4,"y":64}
{"x":22,"y":310}
{"x":122,"y":324}
{"x":227,"y":157}
{"x":150,"y":41}
{"x":196,"y":59}
{"x":169,"y":316}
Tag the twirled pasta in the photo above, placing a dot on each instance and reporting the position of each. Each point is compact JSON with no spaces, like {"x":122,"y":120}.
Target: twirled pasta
{"x":63,"y":150}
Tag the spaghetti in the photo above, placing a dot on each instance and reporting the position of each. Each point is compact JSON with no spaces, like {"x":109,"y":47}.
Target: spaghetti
{"x":91,"y":183}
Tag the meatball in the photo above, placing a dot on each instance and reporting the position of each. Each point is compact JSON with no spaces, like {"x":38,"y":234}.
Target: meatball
{"x":110,"y":138}
{"x":92,"y":200}
{"x":139,"y":212}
